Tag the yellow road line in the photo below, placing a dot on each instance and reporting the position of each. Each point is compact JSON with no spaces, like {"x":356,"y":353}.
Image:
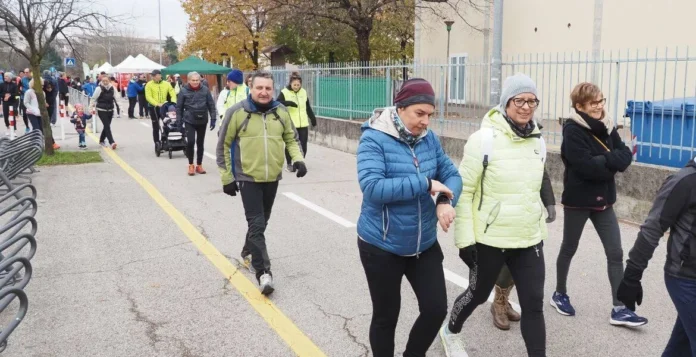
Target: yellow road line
{"x":296,"y":339}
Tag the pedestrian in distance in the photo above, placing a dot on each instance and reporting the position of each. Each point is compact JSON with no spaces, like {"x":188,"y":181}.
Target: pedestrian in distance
{"x":63,"y":84}
{"x":103,"y":101}
{"x":247,"y":81}
{"x":24,"y":87}
{"x":115,"y":86}
{"x":9,"y":92}
{"x":50,"y":96}
{"x":79,"y":119}
{"x":158,"y":92}
{"x":195,"y":108}
{"x":134,"y":87}
{"x":143,"y":110}
{"x":31,"y":103}
{"x":401,"y":164}
{"x":593,"y":153}
{"x":235,"y":91}
{"x":500,"y":220}
{"x":251,"y":141}
{"x":295,"y":98}
{"x":674,"y":208}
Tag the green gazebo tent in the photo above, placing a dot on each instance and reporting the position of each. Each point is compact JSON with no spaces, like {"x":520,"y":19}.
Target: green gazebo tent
{"x":194,"y":63}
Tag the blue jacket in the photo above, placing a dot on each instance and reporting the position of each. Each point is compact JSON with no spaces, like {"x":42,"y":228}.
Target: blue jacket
{"x":25,"y":85}
{"x":133,"y":88}
{"x":398,"y":213}
{"x":89,"y":88}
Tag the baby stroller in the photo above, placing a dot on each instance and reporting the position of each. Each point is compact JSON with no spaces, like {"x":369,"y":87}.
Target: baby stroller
{"x":172,"y":133}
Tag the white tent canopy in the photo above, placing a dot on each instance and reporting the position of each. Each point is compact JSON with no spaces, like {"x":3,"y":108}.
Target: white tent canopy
{"x":139,"y":64}
{"x":124,"y":62}
{"x":106,"y":67}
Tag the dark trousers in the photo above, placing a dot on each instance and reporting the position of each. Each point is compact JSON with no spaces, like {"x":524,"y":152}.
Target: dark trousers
{"x":51,"y":113}
{"x":35,"y":122}
{"x":384,"y":272}
{"x":106,"y":117}
{"x":131,"y":106}
{"x":683,"y":339}
{"x":25,"y":115}
{"x":155,"y":118}
{"x":257,"y":199}
{"x":65,"y":98}
{"x":304,"y":135}
{"x":142,"y":106}
{"x":607,"y":226}
{"x":195,"y":135}
{"x":6,"y":112}
{"x":527,"y":268}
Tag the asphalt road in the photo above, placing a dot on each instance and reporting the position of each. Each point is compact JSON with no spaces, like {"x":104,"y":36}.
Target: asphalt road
{"x":116,"y":275}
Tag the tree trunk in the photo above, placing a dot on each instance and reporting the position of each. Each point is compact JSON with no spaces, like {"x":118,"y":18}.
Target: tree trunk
{"x":45,"y":119}
{"x":255,"y":54}
{"x":362,"y":37}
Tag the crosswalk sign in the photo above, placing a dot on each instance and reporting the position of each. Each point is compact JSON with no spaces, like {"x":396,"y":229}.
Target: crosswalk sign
{"x":69,"y":62}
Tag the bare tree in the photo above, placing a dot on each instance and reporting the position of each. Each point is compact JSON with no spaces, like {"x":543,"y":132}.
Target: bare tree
{"x":40,"y":22}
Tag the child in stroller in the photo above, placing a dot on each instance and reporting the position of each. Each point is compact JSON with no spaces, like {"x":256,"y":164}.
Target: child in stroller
{"x":173,"y":138}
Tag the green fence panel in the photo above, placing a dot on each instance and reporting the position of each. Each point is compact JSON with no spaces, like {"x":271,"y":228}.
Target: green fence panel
{"x":351,"y":97}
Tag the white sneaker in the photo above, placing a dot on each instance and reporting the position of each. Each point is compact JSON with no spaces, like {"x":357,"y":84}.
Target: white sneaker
{"x":247,"y":263}
{"x":452,"y":342}
{"x":266,"y":284}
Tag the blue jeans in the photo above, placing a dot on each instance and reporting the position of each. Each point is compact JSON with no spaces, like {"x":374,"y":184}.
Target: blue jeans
{"x":683,"y":339}
{"x":81,"y":134}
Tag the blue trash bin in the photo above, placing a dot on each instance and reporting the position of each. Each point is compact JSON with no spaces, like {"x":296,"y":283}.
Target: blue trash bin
{"x":663,"y":130}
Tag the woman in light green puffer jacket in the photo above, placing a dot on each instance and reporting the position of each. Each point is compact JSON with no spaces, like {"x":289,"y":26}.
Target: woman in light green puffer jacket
{"x":501,"y":217}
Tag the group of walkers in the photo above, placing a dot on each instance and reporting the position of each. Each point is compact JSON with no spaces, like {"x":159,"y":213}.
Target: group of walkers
{"x":500,"y":200}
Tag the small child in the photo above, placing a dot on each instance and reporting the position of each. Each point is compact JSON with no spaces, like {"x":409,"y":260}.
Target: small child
{"x":79,"y":118}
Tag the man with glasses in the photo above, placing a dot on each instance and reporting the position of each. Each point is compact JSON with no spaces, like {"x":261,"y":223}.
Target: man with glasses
{"x":195,"y":107}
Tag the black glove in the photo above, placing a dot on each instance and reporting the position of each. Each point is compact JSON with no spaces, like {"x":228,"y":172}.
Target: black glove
{"x":630,"y":290}
{"x":300,"y":168}
{"x":551,"y":209}
{"x":212,"y":124}
{"x":314,"y":123}
{"x":231,"y":188}
{"x":469,"y":255}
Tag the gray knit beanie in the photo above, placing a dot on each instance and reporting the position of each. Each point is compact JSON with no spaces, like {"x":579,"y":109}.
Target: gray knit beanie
{"x":514,"y":85}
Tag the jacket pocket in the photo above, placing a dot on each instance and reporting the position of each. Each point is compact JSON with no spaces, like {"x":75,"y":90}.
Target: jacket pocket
{"x":492,"y":215}
{"x":385,"y":222}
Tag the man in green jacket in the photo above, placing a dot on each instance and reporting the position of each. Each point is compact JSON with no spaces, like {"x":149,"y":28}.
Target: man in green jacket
{"x":156,"y":91}
{"x":250,"y":153}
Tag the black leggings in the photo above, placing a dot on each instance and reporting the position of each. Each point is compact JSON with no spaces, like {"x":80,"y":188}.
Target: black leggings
{"x":527,"y":269}
{"x":155,"y":118}
{"x":6,"y":112}
{"x":131,"y":106}
{"x":106,"y":117}
{"x":384,"y":272}
{"x":195,"y":134}
{"x":607,"y":226}
{"x":303,"y":134}
{"x":142,"y":106}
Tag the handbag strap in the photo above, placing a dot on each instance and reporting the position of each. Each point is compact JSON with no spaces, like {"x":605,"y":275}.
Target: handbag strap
{"x":601,"y":143}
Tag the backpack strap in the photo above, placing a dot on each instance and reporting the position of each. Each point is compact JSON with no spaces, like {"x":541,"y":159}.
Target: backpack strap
{"x":487,"y":155}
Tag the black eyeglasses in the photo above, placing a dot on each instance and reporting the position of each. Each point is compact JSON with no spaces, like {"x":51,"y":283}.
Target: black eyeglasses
{"x":597,"y":103}
{"x":519,"y":102}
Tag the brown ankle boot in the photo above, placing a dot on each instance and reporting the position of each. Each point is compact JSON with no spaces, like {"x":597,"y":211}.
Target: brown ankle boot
{"x":512,"y":315}
{"x":499,"y":311}
{"x":191,"y":170}
{"x":200,"y":170}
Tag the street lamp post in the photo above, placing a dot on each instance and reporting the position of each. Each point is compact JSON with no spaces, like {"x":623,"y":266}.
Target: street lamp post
{"x":159,"y":14}
{"x":449,"y":24}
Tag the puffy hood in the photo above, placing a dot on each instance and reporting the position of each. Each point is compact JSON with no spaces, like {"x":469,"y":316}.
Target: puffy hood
{"x":382,"y":121}
{"x":608,"y":123}
{"x":495,"y":119}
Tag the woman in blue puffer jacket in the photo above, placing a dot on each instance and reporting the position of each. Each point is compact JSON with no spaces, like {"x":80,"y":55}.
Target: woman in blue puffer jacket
{"x":400,"y":166}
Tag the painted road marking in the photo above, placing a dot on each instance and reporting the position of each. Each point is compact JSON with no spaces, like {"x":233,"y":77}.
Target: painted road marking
{"x":322,"y":211}
{"x":453,"y":277}
{"x":146,"y":125}
{"x":281,"y":324}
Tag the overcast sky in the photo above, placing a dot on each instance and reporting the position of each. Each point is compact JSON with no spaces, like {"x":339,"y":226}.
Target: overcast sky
{"x":142,"y":15}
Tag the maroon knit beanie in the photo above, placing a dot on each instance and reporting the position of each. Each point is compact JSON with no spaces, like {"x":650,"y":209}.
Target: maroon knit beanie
{"x":415,"y":91}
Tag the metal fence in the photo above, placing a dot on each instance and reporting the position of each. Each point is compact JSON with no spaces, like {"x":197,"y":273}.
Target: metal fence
{"x":633,"y":82}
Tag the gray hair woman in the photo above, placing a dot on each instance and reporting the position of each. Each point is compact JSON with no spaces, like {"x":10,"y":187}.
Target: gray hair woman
{"x":195,"y":107}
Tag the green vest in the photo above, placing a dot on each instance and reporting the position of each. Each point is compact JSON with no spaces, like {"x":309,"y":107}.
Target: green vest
{"x":236,"y":95}
{"x":298,"y":115}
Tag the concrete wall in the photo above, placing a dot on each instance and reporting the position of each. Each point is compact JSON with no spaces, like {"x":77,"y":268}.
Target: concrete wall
{"x":636,"y":187}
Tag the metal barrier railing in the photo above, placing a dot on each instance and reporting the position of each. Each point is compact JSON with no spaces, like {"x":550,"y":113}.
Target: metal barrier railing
{"x":18,"y":226}
{"x":77,"y":97}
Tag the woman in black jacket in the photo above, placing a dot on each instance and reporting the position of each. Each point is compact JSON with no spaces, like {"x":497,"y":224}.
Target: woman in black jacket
{"x":592,"y":152}
{"x":9,"y":92}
